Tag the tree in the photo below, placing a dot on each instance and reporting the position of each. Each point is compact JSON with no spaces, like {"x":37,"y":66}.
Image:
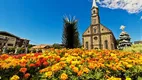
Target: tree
{"x":58,"y":46}
{"x":70,"y":37}
{"x":124,"y":40}
{"x":117,"y":41}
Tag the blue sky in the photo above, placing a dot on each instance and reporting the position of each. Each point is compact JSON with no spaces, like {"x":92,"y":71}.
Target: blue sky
{"x":41,"y":21}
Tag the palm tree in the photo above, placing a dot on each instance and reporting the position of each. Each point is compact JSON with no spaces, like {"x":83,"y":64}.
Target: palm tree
{"x":70,"y":37}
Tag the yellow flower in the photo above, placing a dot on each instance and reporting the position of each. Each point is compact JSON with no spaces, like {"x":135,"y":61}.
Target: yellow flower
{"x":129,"y":65}
{"x":113,"y":55}
{"x":75,"y":69}
{"x":48,"y":74}
{"x":15,"y":77}
{"x":128,"y":78}
{"x":86,"y":70}
{"x":64,"y":76}
{"x":114,"y":78}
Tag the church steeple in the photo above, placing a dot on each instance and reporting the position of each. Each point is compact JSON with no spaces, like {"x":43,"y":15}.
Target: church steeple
{"x":95,"y":13}
{"x":94,"y":4}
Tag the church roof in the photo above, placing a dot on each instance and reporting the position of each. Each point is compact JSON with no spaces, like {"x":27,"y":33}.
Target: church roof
{"x":41,"y":46}
{"x":109,"y":30}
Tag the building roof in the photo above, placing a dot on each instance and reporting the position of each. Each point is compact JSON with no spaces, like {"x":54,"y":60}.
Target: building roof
{"x":12,"y":35}
{"x":41,"y":46}
{"x":8,"y":34}
{"x":137,"y":42}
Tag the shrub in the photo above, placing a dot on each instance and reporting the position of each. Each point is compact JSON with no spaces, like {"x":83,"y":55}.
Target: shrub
{"x":136,"y":48}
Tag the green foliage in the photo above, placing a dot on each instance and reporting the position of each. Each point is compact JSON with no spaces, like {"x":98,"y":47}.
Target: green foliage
{"x":11,"y":50}
{"x":58,"y":46}
{"x":136,"y":48}
{"x":30,"y":46}
{"x":70,"y":37}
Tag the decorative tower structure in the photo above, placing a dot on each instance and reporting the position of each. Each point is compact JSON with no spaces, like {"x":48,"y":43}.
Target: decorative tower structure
{"x":124,"y":39}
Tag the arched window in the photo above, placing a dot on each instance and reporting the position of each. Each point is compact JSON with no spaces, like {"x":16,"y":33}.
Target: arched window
{"x":106,"y":44}
{"x":95,"y":31}
{"x":86,"y":45}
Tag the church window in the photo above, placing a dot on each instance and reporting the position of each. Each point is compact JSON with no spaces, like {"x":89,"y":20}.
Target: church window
{"x":86,"y":45}
{"x":95,"y":31}
{"x":106,"y":44}
{"x":94,"y":11}
{"x":95,"y":38}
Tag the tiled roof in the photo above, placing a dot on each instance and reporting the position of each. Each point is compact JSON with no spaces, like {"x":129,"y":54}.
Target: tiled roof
{"x":41,"y":46}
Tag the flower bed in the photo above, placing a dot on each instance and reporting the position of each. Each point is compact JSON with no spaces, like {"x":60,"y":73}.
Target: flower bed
{"x":72,"y":64}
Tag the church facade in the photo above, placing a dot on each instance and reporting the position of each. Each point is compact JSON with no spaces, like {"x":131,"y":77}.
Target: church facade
{"x":97,"y":36}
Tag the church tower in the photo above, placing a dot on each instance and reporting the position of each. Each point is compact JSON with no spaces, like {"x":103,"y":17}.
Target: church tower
{"x":95,"y":14}
{"x":95,"y":24}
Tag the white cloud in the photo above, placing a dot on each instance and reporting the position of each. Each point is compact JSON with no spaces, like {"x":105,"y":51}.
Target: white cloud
{"x":141,"y":18}
{"x":131,"y":6}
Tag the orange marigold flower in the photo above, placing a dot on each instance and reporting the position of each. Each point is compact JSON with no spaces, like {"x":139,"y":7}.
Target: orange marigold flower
{"x":86,"y":70}
{"x":75,"y":69}
{"x":32,"y":65}
{"x":64,"y":76}
{"x":45,"y":63}
{"x":80,"y":73}
{"x":91,"y":66}
{"x":23,"y":70}
{"x":23,"y":64}
{"x":38,"y":63}
{"x":27,"y":75}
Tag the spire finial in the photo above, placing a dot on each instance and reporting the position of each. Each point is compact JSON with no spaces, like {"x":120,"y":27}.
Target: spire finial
{"x":94,"y":4}
{"x":122,"y":27}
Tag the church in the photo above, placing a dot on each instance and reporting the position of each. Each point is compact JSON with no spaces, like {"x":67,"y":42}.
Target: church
{"x":97,"y":36}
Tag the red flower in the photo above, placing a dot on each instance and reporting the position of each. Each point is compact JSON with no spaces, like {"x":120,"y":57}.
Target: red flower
{"x":58,"y":59}
{"x":45,"y":63}
{"x":44,"y":59}
{"x":23,"y":64}
{"x":23,"y":70}
{"x":32,"y":65}
{"x":27,"y":75}
{"x":38,"y":63}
